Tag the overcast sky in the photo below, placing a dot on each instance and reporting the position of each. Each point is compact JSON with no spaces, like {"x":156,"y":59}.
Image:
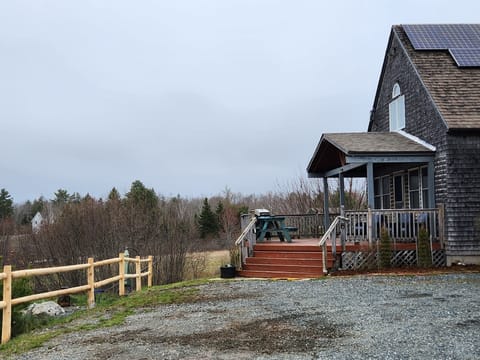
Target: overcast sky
{"x":189,"y":97}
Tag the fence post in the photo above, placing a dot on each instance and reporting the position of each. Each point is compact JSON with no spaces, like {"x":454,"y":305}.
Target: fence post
{"x":91,"y":283}
{"x":138,"y":271}
{"x":150,"y":271}
{"x":121,"y":273}
{"x":7,"y":310}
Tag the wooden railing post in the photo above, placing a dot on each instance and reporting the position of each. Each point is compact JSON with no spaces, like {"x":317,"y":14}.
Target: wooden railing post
{"x":121,"y":273}
{"x":91,"y":283}
{"x":138,"y":271}
{"x":7,"y":310}
{"x":370,"y":226}
{"x":150,"y":271}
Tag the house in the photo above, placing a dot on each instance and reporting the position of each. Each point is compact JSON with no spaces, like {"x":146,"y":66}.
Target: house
{"x":421,"y":153}
{"x":46,"y":217}
{"x":37,"y":221}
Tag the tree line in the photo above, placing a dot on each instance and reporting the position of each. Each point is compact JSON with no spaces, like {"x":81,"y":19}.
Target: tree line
{"x":78,"y":227}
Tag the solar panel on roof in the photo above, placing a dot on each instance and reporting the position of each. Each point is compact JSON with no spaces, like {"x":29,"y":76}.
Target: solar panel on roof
{"x":466,"y":57}
{"x":462,"y":40}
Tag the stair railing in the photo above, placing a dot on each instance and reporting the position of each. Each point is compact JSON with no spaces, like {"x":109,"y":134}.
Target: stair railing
{"x":244,"y":245}
{"x":328,"y":236}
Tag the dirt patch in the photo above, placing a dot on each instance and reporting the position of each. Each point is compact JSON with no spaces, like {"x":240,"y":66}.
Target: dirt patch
{"x":285,"y":334}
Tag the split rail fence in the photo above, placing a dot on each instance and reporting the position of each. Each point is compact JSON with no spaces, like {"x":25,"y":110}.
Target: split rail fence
{"x":8,"y":275}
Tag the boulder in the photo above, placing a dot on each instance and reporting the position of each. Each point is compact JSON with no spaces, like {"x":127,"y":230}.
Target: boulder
{"x":50,"y":308}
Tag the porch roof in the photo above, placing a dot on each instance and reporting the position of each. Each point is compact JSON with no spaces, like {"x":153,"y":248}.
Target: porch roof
{"x":346,"y":152}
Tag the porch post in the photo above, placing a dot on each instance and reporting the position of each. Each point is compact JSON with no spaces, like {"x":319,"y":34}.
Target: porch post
{"x":431,"y":184}
{"x":343,"y":236}
{"x":342,"y":194}
{"x":370,"y":190}
{"x":326,"y":214}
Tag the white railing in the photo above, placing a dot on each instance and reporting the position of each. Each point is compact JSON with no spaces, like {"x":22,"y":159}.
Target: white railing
{"x":246,"y":240}
{"x":402,"y":224}
{"x":332,"y":230}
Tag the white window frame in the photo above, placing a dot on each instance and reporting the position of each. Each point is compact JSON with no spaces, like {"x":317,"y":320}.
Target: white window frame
{"x":422,"y":202}
{"x":383,"y":196}
{"x":396,"y":109}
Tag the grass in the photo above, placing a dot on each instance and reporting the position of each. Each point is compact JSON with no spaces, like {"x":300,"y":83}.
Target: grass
{"x":110,"y":310}
{"x":205,"y":264}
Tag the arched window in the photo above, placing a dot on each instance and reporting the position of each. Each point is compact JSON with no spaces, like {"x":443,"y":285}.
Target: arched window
{"x":397,"y":109}
{"x":396,"y":91}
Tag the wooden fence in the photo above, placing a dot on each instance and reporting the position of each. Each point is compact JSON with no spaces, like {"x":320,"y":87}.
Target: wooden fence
{"x":8,"y":275}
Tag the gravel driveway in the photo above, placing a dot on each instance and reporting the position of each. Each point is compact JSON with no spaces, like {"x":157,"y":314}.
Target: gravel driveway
{"x":376,"y":317}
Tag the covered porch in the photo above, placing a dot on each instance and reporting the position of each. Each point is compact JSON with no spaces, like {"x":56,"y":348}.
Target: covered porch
{"x":398,"y":168}
{"x":400,"y":186}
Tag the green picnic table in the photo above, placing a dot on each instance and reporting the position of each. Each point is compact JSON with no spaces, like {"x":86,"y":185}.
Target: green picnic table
{"x":272,"y":224}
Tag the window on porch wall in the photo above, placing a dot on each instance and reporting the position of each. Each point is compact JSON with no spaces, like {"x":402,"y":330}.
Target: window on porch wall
{"x":382,"y":192}
{"x":424,"y":171}
{"x":418,"y":188}
{"x":398,"y":191}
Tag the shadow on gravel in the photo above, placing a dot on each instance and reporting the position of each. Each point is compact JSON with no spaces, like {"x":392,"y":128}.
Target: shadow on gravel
{"x":284,"y":334}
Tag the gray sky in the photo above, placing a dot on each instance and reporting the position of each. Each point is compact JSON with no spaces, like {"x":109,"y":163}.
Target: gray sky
{"x":187,"y":96}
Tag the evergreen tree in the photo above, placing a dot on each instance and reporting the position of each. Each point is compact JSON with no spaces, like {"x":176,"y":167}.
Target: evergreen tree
{"x":207,"y":221}
{"x":62,"y":197}
{"x":114,"y":195}
{"x":6,"y":204}
{"x":140,"y":196}
{"x":37,"y":206}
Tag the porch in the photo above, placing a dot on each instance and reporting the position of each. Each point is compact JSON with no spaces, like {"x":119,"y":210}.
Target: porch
{"x":352,"y":244}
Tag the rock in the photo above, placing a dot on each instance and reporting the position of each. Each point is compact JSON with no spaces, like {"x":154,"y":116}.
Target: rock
{"x":48,"y":307}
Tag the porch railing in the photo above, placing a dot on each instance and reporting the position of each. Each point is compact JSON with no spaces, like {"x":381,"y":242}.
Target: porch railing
{"x":331,"y":234}
{"x":247,"y":238}
{"x":402,"y":224}
{"x":307,"y":225}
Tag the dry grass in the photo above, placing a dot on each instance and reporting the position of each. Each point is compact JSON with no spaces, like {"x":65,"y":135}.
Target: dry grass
{"x":205,"y":264}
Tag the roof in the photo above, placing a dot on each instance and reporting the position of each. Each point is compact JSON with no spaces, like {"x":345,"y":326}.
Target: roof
{"x":332,"y":149}
{"x":374,"y":143}
{"x":455,"y":90}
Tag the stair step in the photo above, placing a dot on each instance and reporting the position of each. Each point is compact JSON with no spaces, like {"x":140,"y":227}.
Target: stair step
{"x":287,"y":247}
{"x":277,"y":274}
{"x":288,"y":254}
{"x":306,"y":269}
{"x":285,"y":261}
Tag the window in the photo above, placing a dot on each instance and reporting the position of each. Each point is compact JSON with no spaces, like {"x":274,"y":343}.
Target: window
{"x":418,"y":188}
{"x":414,"y":186}
{"x":382,"y":192}
{"x":398,"y":190}
{"x":424,"y":171}
{"x":396,"y":109}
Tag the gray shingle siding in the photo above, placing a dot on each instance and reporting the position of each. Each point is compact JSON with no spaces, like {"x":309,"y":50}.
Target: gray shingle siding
{"x":421,"y":117}
{"x":463,"y":201}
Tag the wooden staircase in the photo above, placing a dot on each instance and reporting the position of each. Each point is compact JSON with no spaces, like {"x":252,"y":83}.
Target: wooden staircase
{"x":285,"y":260}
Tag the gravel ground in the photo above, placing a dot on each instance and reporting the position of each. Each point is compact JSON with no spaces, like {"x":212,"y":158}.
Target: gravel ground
{"x":360,"y":317}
